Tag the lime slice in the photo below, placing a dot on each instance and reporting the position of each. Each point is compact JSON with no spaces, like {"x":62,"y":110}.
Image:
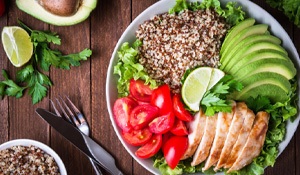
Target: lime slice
{"x":17,"y":45}
{"x":197,"y":83}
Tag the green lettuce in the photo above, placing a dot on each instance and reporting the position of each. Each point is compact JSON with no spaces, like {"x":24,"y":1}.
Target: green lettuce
{"x":231,"y":12}
{"x":128,"y":68}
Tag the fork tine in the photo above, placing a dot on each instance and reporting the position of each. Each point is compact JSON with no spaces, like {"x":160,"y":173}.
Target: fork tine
{"x":55,"y":109}
{"x":76,"y":110}
{"x":71,"y":114}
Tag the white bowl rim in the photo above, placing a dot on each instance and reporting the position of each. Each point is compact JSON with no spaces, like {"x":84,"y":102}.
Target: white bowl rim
{"x":44,"y":147}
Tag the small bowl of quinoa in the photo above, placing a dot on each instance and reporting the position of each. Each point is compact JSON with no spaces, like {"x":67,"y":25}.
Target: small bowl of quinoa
{"x":25,"y":156}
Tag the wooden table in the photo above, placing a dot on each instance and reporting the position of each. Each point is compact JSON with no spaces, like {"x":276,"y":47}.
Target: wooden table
{"x":86,"y":87}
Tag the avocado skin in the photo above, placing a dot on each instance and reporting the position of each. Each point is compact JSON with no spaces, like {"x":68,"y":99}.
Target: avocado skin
{"x":33,"y":8}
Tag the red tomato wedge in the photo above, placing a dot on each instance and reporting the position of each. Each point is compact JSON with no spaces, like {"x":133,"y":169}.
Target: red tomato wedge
{"x":179,"y":128}
{"x":142,"y":115}
{"x":140,"y":91}
{"x":161,"y":97}
{"x":179,"y":110}
{"x":137,"y":137}
{"x":121,"y":110}
{"x":174,"y":149}
{"x":150,"y":148}
{"x":162,"y":124}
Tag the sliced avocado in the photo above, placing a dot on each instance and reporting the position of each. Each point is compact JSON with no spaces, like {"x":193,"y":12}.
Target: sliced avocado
{"x":34,"y":8}
{"x":252,"y":57}
{"x":236,"y":29}
{"x":228,"y":62}
{"x":284,"y":67}
{"x":283,"y":81}
{"x":253,"y":30}
{"x":270,"y":88}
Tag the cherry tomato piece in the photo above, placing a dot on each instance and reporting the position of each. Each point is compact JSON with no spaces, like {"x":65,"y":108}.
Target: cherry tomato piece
{"x":2,"y":7}
{"x":179,"y":110}
{"x":140,"y":91}
{"x":174,"y":149}
{"x":142,"y":115}
{"x":162,"y":124}
{"x":137,"y":137}
{"x":179,"y":128}
{"x":121,"y":110}
{"x":150,"y":148}
{"x":161,"y":97}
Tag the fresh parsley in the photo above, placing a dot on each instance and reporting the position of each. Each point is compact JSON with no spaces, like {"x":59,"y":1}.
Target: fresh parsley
{"x":215,"y":100}
{"x":31,"y":76}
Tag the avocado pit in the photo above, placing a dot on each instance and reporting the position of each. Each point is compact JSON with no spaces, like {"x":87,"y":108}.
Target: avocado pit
{"x":61,"y":7}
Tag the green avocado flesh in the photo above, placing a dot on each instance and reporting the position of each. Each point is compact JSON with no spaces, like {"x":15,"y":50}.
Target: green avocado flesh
{"x":236,"y":30}
{"x":228,"y":62}
{"x":33,"y":8}
{"x":270,"y":88}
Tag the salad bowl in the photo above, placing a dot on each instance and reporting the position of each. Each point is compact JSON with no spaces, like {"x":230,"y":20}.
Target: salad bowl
{"x":251,"y":9}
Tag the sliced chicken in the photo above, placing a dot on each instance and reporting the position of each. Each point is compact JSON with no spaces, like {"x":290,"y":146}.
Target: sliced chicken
{"x":254,"y":142}
{"x":196,"y":130}
{"x":223,"y":124}
{"x":243,"y":136}
{"x":206,"y":141}
{"x":234,"y":130}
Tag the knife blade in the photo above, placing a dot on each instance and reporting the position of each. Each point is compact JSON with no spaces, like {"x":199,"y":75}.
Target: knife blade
{"x":84,"y":143}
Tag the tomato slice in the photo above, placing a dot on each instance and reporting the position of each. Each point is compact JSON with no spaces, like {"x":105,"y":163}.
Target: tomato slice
{"x":137,"y":137}
{"x":142,"y":115}
{"x":174,"y":149}
{"x":140,"y":91}
{"x":121,"y":110}
{"x":161,"y":97}
{"x":179,"y":110}
{"x":162,"y":124}
{"x":150,"y":148}
{"x":179,"y":128}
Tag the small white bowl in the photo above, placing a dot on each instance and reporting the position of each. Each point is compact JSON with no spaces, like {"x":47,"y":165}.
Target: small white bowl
{"x":42,"y":146}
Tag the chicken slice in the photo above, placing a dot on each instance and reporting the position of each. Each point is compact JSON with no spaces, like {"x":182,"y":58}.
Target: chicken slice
{"x":254,"y":142}
{"x":234,"y":130}
{"x":206,"y":141}
{"x":223,"y":124}
{"x":243,"y":136}
{"x":196,"y":130}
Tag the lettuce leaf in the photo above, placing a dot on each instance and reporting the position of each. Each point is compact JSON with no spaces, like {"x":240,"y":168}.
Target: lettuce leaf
{"x":291,"y":8}
{"x":232,"y":13}
{"x":128,"y":68}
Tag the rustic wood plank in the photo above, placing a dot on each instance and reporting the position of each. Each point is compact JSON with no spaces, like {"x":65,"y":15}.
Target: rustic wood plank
{"x":108,"y":22}
{"x":74,"y":83}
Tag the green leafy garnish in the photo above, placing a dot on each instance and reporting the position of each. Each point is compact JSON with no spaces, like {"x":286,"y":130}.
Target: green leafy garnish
{"x":128,"y":68}
{"x":215,"y":100}
{"x":31,"y":76}
{"x":232,"y":13}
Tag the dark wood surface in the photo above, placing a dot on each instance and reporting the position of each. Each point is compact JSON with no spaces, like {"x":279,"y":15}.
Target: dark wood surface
{"x":85,"y":85}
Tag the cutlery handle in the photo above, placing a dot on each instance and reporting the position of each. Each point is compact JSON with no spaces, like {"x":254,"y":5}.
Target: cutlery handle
{"x":96,"y":168}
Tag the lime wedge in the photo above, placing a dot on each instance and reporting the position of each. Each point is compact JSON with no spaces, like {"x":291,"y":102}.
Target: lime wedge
{"x":17,"y":45}
{"x":197,"y":83}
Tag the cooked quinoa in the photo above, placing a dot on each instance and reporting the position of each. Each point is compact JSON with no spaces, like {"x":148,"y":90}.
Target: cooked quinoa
{"x":173,"y":43}
{"x":24,"y":160}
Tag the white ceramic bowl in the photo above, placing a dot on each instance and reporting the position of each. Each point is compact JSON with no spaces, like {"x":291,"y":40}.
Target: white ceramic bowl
{"x":47,"y":149}
{"x":162,"y":6}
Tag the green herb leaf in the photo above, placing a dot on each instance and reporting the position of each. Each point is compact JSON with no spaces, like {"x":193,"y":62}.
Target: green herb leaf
{"x":11,"y":88}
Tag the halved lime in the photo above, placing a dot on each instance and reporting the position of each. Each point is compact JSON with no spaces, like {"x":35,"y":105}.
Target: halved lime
{"x":17,"y":45}
{"x":197,"y":83}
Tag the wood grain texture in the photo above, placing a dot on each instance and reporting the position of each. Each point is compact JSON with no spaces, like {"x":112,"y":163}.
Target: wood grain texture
{"x":85,"y":85}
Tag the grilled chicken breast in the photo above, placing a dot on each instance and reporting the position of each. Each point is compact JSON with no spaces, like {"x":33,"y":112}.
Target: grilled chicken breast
{"x":223,"y":124}
{"x":243,"y":136}
{"x":196,"y":130}
{"x":234,"y":131}
{"x":206,"y":141}
{"x":254,"y":142}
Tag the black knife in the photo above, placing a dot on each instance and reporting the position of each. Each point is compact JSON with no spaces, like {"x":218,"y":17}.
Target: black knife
{"x":81,"y":141}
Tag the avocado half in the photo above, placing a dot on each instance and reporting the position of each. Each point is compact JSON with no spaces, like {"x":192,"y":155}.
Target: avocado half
{"x":33,"y":8}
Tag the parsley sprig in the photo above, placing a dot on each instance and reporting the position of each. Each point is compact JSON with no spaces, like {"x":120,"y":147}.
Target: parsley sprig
{"x":215,"y":100}
{"x":31,"y":76}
